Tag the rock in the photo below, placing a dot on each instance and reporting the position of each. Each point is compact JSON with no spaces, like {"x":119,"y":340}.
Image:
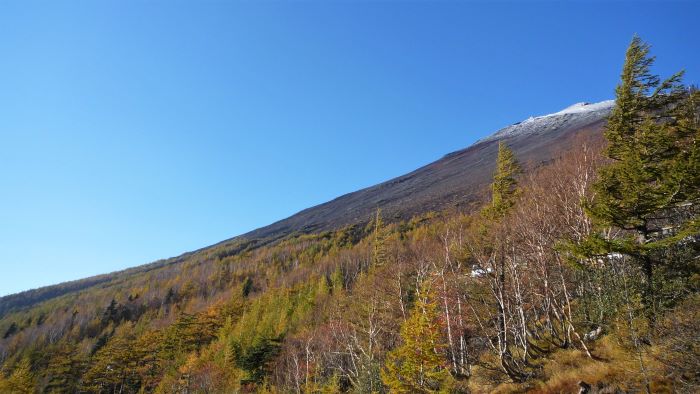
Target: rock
{"x":584,"y":388}
{"x":593,"y":335}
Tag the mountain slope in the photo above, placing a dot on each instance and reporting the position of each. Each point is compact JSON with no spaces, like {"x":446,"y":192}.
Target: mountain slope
{"x":456,"y":181}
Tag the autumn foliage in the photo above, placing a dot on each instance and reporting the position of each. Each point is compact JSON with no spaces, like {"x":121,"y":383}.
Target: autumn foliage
{"x":586,"y":268}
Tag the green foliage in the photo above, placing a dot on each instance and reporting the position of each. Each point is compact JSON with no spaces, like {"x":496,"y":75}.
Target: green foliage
{"x":256,"y":339}
{"x":504,"y":186}
{"x":652,"y":144}
{"x":687,"y":165}
{"x":642,"y":135}
{"x":337,"y":280}
{"x":21,"y":381}
{"x":639,"y":96}
{"x":417,"y":365}
{"x":113,"y":368}
{"x":64,"y":370}
{"x":247,"y":287}
{"x":182,"y":336}
{"x":255,"y":357}
{"x":370,"y":380}
{"x":379,"y":234}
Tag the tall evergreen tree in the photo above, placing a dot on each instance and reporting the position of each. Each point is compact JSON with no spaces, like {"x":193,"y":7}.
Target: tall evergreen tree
{"x":378,"y":240}
{"x":417,"y":366}
{"x":687,"y":164}
{"x":645,"y":177}
{"x":504,"y":186}
{"x":504,"y":191}
{"x":64,"y":369}
{"x":21,"y":380}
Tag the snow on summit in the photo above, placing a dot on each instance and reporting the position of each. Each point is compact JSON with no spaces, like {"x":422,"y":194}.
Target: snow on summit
{"x":575,"y":115}
{"x":586,"y":107}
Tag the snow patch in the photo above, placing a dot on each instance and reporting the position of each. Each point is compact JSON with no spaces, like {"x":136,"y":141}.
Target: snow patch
{"x":576,"y":115}
{"x":585,"y":107}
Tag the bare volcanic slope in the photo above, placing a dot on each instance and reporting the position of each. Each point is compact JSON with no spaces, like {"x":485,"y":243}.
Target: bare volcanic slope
{"x":456,"y":181}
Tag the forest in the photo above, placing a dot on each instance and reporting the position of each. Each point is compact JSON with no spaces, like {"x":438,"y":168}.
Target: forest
{"x":579,"y":275}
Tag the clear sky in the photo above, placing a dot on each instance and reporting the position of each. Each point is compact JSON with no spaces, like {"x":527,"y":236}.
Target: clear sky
{"x":132,"y":131}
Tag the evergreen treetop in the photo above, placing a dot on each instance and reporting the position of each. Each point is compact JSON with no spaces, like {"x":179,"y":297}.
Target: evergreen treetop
{"x":504,"y":186}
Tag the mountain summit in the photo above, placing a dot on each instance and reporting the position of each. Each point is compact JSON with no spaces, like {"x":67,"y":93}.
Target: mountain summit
{"x":571,"y":117}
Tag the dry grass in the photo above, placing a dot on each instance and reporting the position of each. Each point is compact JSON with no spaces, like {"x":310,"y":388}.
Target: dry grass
{"x":613,"y":368}
{"x":567,"y":367}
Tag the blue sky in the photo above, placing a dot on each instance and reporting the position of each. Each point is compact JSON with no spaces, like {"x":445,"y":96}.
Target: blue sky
{"x":132,"y":131}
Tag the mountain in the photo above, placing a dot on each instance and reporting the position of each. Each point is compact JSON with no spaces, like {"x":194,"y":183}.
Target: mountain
{"x":456,"y":181}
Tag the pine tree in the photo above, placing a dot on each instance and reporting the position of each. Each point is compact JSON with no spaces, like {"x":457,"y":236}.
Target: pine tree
{"x":20,"y":381}
{"x":63,"y":370}
{"x":644,"y":177}
{"x":113,"y":367}
{"x":247,"y":287}
{"x":337,"y":280}
{"x":687,"y":164}
{"x":149,"y":365}
{"x":504,"y":193}
{"x":417,"y":366}
{"x":504,"y":187}
{"x":323,"y":288}
{"x":378,"y":240}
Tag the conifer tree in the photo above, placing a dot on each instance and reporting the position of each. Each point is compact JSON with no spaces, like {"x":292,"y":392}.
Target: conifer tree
{"x":504,"y":191}
{"x":417,"y":366}
{"x":247,"y":287}
{"x":686,"y":168}
{"x":323,"y":288}
{"x":63,"y":370}
{"x":504,"y":186}
{"x":378,"y":240}
{"x":337,"y":280}
{"x":21,"y":381}
{"x":644,"y":177}
{"x":112,"y":368}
